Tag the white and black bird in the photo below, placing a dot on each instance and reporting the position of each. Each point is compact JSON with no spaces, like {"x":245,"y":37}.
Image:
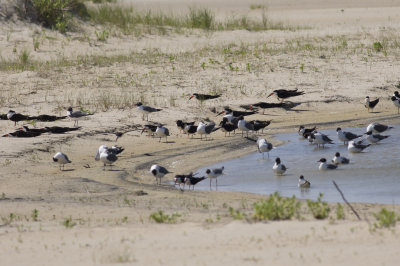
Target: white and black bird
{"x":192,"y":180}
{"x":321,"y":139}
{"x":107,"y":157}
{"x":323,"y":166}
{"x":62,"y":159}
{"x":158,"y":172}
{"x":16,"y":117}
{"x":243,"y":125}
{"x":346,"y":136}
{"x":305,"y":132}
{"x":146,"y":110}
{"x":264,"y":146}
{"x":303,"y":183}
{"x":76,"y":115}
{"x":114,"y":149}
{"x":150,"y":129}
{"x":206,"y":129}
{"x":214,"y":174}
{"x":357,"y":146}
{"x":338,"y":159}
{"x":278,"y":167}
{"x":370,"y":105}
{"x":161,"y":132}
{"x":374,"y":138}
{"x":396,"y":102}
{"x":377,"y":128}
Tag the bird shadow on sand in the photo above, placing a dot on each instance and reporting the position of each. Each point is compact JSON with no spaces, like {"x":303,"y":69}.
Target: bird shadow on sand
{"x":68,"y":170}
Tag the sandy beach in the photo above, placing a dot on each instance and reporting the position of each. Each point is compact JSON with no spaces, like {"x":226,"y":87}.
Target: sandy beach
{"x":87,"y":216}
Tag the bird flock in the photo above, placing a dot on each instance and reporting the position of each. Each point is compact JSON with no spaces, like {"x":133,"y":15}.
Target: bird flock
{"x":232,"y":120}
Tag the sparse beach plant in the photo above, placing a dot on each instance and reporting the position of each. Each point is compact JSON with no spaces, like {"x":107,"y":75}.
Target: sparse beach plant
{"x":319,"y":209}
{"x":377,"y":46}
{"x":161,"y":217}
{"x":236,"y":214}
{"x":23,"y":57}
{"x":276,"y":208}
{"x":35,"y":215}
{"x":69,"y":223}
{"x":340,"y":212}
{"x":385,"y":218}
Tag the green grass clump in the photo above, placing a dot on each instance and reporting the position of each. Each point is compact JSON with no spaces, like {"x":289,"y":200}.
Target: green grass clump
{"x":276,"y":208}
{"x":319,"y":209}
{"x":236,"y":214}
{"x":35,"y":215}
{"x":340,"y":212}
{"x":385,"y":219}
{"x":160,"y":217}
{"x":201,"y":18}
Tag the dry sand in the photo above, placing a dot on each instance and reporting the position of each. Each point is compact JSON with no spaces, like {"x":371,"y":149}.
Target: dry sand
{"x":110,"y":209}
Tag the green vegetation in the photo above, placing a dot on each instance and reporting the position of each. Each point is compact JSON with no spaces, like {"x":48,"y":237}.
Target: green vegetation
{"x":319,"y":209}
{"x":276,"y":208}
{"x":160,"y":217}
{"x":35,"y":215}
{"x":340,"y":212}
{"x":236,"y":214}
{"x":385,"y":219}
{"x":69,"y":223}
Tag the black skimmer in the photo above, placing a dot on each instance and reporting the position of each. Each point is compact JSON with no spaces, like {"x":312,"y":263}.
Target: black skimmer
{"x":158,"y":172}
{"x":346,"y":136}
{"x":146,"y":110}
{"x":305,"y":132}
{"x":108,"y":157}
{"x":321,"y":139}
{"x":22,"y":134}
{"x":377,"y":128}
{"x":76,"y":115}
{"x":285,"y":105}
{"x":203,"y":97}
{"x":162,"y":132}
{"x":118,"y":135}
{"x":181,"y":125}
{"x":180,"y":180}
{"x":16,"y":117}
{"x":206,"y":129}
{"x":249,"y":107}
{"x":260,"y":125}
{"x":34,"y":130}
{"x":264,"y":146}
{"x":192,"y":180}
{"x":370,"y":105}
{"x":396,"y":94}
{"x":62,"y":159}
{"x":338,"y":159}
{"x":3,"y":117}
{"x":374,"y":138}
{"x":303,"y":183}
{"x":150,"y":129}
{"x":284,"y":94}
{"x":243,"y":125}
{"x":323,"y":166}
{"x":190,"y":130}
{"x":214,"y":174}
{"x":357,"y":146}
{"x":60,"y":130}
{"x":279,"y":168}
{"x":228,"y":111}
{"x":227,"y":127}
{"x":396,"y":102}
{"x":47,"y":118}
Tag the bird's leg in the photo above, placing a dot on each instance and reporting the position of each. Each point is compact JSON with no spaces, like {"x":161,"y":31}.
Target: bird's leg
{"x":216,"y":183}
{"x":210,"y":184}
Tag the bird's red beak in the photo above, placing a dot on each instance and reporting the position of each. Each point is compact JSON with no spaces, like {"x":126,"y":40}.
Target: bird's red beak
{"x":251,"y":107}
{"x":272,"y":93}
{"x":191,"y":97}
{"x":142,"y":131}
{"x":220,"y":113}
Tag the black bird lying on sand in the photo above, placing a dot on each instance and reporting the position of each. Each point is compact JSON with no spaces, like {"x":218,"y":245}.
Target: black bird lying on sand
{"x":203,"y":97}
{"x":284,"y":94}
{"x":285,"y":105}
{"x":229,"y":111}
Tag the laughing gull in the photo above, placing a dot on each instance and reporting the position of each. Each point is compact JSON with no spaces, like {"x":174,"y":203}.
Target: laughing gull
{"x":114,"y":149}
{"x":370,"y":105}
{"x":284,"y":94}
{"x":192,"y":180}
{"x":303,"y":183}
{"x":16,"y":117}
{"x":279,"y":168}
{"x":323,"y":166}
{"x":76,"y":115}
{"x":62,"y":159}
{"x":305,"y":132}
{"x":203,"y":97}
{"x":146,"y":110}
{"x":357,"y":146}
{"x":264,"y":146}
{"x":108,"y":157}
{"x":214,"y":174}
{"x":158,"y":172}
{"x":338,"y":159}
{"x":374,"y":138}
{"x":243,"y":125}
{"x":162,"y":132}
{"x":377,"y":128}
{"x":321,"y":139}
{"x":396,"y":102}
{"x":206,"y":129}
{"x":346,"y":136}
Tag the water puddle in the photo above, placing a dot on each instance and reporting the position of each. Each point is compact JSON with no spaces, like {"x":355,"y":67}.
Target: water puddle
{"x":372,"y":176}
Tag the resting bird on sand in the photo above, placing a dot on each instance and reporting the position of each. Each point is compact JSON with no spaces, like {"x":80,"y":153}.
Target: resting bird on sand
{"x":284,"y":94}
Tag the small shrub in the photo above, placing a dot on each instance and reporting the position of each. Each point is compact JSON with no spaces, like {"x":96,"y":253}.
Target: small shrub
{"x":319,"y":209}
{"x":378,"y":46}
{"x":201,"y":18}
{"x":68,"y":223}
{"x":35,"y":215}
{"x":385,"y":219}
{"x":236,"y":214}
{"x":102,"y":36}
{"x":23,"y":57}
{"x":160,"y":217}
{"x":276,"y":208}
{"x":340,"y":212}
